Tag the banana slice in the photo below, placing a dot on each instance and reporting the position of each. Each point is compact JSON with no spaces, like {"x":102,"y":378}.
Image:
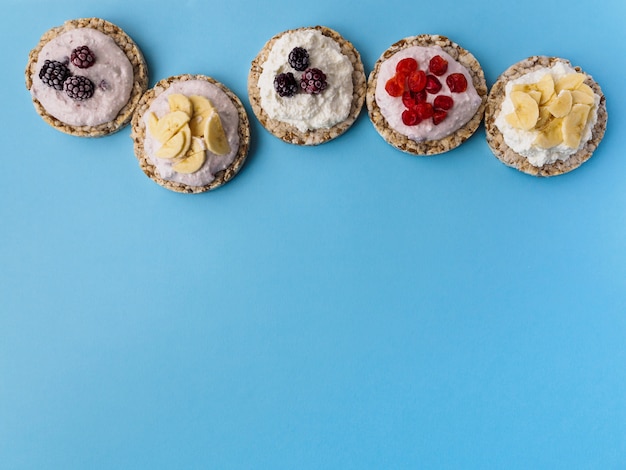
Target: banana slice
{"x":546,"y":86}
{"x":574,"y":125}
{"x":179,"y":102}
{"x":194,"y":159}
{"x":202,"y":109}
{"x":535,"y":94}
{"x":526,"y":110}
{"x":177,"y":145}
{"x":561,"y":104}
{"x":571,"y":81}
{"x":583,"y":95}
{"x":169,"y":125}
{"x":152,"y":122}
{"x":551,"y":135}
{"x":214,"y":135}
{"x":545,"y":117}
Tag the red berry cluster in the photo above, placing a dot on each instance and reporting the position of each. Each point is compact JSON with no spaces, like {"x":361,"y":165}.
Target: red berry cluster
{"x":414,"y":86}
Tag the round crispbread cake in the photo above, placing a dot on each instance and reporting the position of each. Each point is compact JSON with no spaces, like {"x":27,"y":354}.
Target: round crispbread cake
{"x":513,"y":159}
{"x":130,"y":49}
{"x":138,"y":135}
{"x":428,"y":147}
{"x":288,"y":132}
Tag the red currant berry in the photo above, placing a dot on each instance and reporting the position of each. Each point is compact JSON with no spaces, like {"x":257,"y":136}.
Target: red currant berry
{"x":424,"y":110}
{"x":443,"y":102}
{"x":456,"y":82}
{"x":417,"y":80}
{"x":406,"y":65}
{"x":410,"y":118}
{"x":393,"y":87}
{"x":438,"y":116}
{"x":408,"y":99}
{"x":438,"y":65}
{"x":433,"y":85}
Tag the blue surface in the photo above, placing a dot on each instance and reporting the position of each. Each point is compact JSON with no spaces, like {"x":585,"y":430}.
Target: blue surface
{"x":346,"y":306}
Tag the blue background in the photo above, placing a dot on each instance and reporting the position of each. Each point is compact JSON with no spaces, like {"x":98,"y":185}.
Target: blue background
{"x":346,"y":306}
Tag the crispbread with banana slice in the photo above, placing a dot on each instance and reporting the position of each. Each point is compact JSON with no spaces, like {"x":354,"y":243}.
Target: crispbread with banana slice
{"x":206,"y":161}
{"x":125,"y":44}
{"x":510,"y":157}
{"x":288,"y":132}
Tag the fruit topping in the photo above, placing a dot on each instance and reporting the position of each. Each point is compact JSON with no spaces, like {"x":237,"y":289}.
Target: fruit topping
{"x":299,"y":58}
{"x":424,"y":110}
{"x":78,"y":88}
{"x":409,"y":117}
{"x":192,"y":126}
{"x":417,"y":80}
{"x":456,"y":82}
{"x":406,"y":66}
{"x":433,"y":85}
{"x":416,"y":87}
{"x":557,"y":111}
{"x":82,"y":57}
{"x":313,"y":81}
{"x":54,"y":73}
{"x":393,"y":87}
{"x":285,"y":84}
{"x":443,"y":102}
{"x":438,"y":65}
{"x":438,"y":116}
{"x":214,"y":135}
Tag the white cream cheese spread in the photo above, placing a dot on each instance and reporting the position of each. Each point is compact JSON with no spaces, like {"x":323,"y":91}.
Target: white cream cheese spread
{"x":523,"y":141}
{"x":302,"y":110}
{"x":465,"y":104}
{"x":111,"y":74}
{"x":214,"y":163}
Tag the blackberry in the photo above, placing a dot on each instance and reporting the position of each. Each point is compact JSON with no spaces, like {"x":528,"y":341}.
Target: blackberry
{"x":299,"y":58}
{"x":79,"y":88}
{"x":82,"y":57}
{"x":54,"y":73}
{"x":313,"y":81}
{"x":285,"y":84}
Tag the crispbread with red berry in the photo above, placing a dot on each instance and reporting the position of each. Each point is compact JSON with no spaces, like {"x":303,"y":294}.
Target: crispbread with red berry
{"x":140,"y":134}
{"x":288,"y":132}
{"x":508,"y":156}
{"x":125,"y":44}
{"x":416,"y":108}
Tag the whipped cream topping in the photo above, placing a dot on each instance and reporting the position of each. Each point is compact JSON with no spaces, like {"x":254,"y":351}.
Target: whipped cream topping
{"x":112,"y":76}
{"x":304,"y":111}
{"x":214,"y":163}
{"x":521,"y":141}
{"x":465,"y":104}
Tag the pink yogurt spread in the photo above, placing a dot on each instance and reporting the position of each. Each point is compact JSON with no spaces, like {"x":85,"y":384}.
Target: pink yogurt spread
{"x":111,"y":74}
{"x":465,"y":104}
{"x":214,"y":163}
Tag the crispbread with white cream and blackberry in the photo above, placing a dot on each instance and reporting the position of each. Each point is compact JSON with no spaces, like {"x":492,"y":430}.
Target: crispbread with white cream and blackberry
{"x":544,"y":116}
{"x":86,"y":77}
{"x":307,"y":85}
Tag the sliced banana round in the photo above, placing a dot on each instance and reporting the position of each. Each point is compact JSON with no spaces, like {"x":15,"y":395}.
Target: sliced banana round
{"x":526,"y":111}
{"x":194,"y":159}
{"x":179,"y":102}
{"x":177,"y":145}
{"x":169,"y":125}
{"x":214,"y":135}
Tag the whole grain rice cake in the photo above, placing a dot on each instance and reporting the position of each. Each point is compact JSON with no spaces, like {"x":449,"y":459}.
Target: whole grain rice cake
{"x":130,"y":50}
{"x":444,"y":144}
{"x":513,"y":159}
{"x":139,"y":135}
{"x":288,"y":132}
